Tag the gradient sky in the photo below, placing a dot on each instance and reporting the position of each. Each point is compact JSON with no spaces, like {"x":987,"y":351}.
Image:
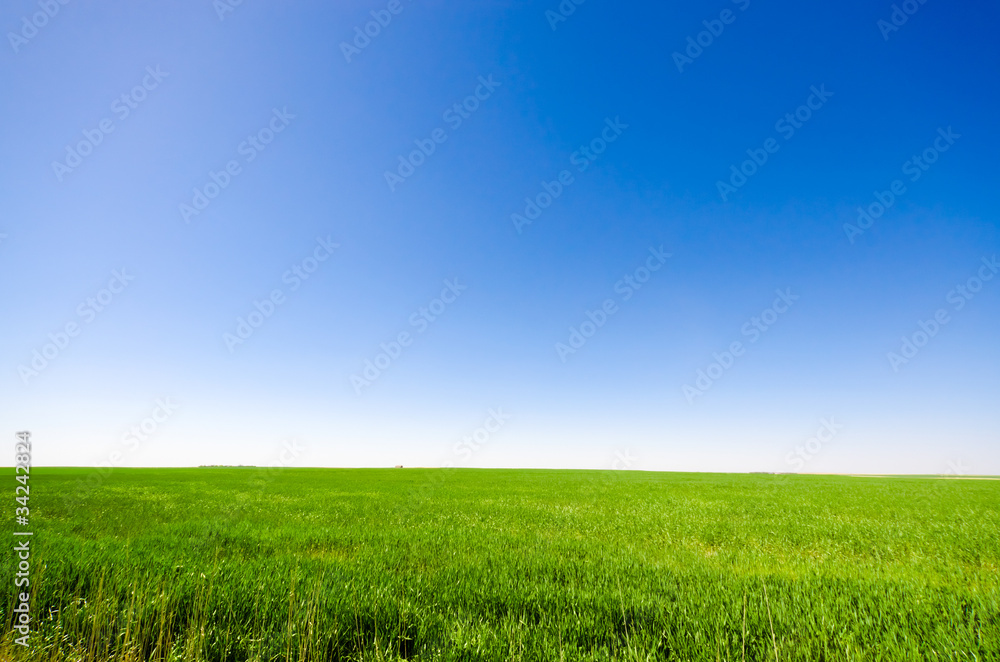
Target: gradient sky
{"x":493,"y":351}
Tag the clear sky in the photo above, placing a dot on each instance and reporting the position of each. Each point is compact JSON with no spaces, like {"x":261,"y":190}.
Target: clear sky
{"x":594,"y":235}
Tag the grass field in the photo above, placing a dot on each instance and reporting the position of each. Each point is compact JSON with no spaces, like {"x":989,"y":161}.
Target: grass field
{"x":319,"y":564}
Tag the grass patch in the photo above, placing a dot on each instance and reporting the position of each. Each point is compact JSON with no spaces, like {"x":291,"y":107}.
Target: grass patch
{"x":240,"y":564}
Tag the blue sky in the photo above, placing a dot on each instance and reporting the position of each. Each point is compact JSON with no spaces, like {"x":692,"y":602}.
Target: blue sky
{"x":629,"y":142}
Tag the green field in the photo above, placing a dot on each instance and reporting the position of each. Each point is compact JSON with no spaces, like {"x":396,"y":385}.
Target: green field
{"x":462,"y":564}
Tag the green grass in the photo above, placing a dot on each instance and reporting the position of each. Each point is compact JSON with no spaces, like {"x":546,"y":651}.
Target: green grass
{"x":236,"y":564}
